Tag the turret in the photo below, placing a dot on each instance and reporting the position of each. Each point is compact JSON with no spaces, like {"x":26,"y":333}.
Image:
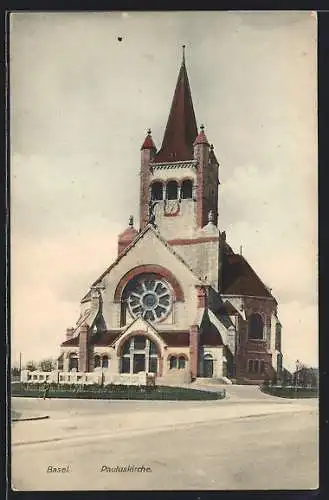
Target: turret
{"x":148,"y":151}
{"x":127,"y":236}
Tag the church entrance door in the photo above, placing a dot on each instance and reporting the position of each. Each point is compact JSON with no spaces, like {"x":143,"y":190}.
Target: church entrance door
{"x":208,"y":366}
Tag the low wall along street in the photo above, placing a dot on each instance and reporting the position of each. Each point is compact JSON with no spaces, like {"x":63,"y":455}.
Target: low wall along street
{"x":83,"y":378}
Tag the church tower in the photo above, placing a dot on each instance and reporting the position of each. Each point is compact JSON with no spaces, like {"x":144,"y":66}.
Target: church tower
{"x":177,"y":302}
{"x":179,"y":183}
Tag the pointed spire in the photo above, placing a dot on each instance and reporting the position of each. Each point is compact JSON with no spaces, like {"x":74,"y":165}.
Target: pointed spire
{"x":201,"y":139}
{"x":148,"y":142}
{"x":181,"y":129}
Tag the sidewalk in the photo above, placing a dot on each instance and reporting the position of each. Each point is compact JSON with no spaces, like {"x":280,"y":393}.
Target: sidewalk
{"x":26,"y":415}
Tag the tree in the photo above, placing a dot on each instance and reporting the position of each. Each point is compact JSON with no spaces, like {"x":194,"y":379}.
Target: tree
{"x":47,"y":365}
{"x":15,"y":371}
{"x":286,"y":377}
{"x":308,"y":377}
{"x":31,"y":366}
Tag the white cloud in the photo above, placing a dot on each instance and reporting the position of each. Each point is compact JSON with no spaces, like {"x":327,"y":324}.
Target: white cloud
{"x":49,"y":278}
{"x":300,"y":333}
{"x":81,"y":103}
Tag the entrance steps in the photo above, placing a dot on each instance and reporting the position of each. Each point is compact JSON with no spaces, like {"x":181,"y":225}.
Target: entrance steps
{"x":216,"y":381}
{"x":179,"y":377}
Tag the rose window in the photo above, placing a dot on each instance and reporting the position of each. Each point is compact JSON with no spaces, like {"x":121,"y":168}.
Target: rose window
{"x":151,"y":299}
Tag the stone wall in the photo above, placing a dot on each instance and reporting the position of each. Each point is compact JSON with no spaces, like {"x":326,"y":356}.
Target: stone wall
{"x":74,"y":377}
{"x":202,"y":256}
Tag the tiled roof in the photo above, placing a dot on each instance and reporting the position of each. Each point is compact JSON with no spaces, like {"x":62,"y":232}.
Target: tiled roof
{"x":176,"y":339}
{"x":172,"y":339}
{"x":106,"y":337}
{"x":103,"y":338}
{"x":128,"y":234}
{"x":201,"y":139}
{"x":211,"y":338}
{"x":226,"y":308}
{"x":181,"y":129}
{"x":148,"y":142}
{"x":239,"y":278}
{"x":73,"y":341}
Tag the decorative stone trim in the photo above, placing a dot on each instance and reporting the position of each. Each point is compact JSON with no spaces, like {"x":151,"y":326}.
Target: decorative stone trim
{"x":152,"y":269}
{"x":139,"y":333}
{"x":177,"y":164}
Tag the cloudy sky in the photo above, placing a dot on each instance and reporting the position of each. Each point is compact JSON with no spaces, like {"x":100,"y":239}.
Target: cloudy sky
{"x":81,"y":102}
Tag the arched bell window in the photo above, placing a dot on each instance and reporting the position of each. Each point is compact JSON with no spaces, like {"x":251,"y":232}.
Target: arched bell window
{"x":157,"y":191}
{"x":172,"y":190}
{"x":186,"y":189}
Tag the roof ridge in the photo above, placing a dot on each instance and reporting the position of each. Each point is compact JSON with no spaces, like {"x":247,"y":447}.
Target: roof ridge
{"x":254,"y":272}
{"x":148,"y":227}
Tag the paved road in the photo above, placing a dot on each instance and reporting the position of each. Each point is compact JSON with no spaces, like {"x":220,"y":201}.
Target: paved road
{"x":276,"y":451}
{"x":243,"y":442}
{"x":63,"y":408}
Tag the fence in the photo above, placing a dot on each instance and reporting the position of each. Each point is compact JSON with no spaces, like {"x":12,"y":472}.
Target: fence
{"x":90,"y":378}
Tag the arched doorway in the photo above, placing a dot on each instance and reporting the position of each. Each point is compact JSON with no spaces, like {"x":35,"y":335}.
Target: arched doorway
{"x":139,"y":354}
{"x":208,"y":366}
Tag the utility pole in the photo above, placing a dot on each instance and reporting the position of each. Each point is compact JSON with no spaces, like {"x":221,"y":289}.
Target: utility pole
{"x":296,"y":377}
{"x":20,"y":364}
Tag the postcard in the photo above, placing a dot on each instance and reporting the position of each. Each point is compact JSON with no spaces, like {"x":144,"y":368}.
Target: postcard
{"x":163,"y":215}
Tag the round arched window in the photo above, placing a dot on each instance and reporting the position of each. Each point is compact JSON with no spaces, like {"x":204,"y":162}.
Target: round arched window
{"x":181,"y":362}
{"x":149,"y":298}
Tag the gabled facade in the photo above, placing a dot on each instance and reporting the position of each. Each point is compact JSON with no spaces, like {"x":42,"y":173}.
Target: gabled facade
{"x":177,"y":301}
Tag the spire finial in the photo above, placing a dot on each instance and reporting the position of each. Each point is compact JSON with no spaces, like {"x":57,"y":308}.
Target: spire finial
{"x":131,"y":220}
{"x":183,"y":47}
{"x":202,"y":127}
{"x":149,"y":131}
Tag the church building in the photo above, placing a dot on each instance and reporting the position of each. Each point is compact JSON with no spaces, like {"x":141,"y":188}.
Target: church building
{"x":177,"y":301}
